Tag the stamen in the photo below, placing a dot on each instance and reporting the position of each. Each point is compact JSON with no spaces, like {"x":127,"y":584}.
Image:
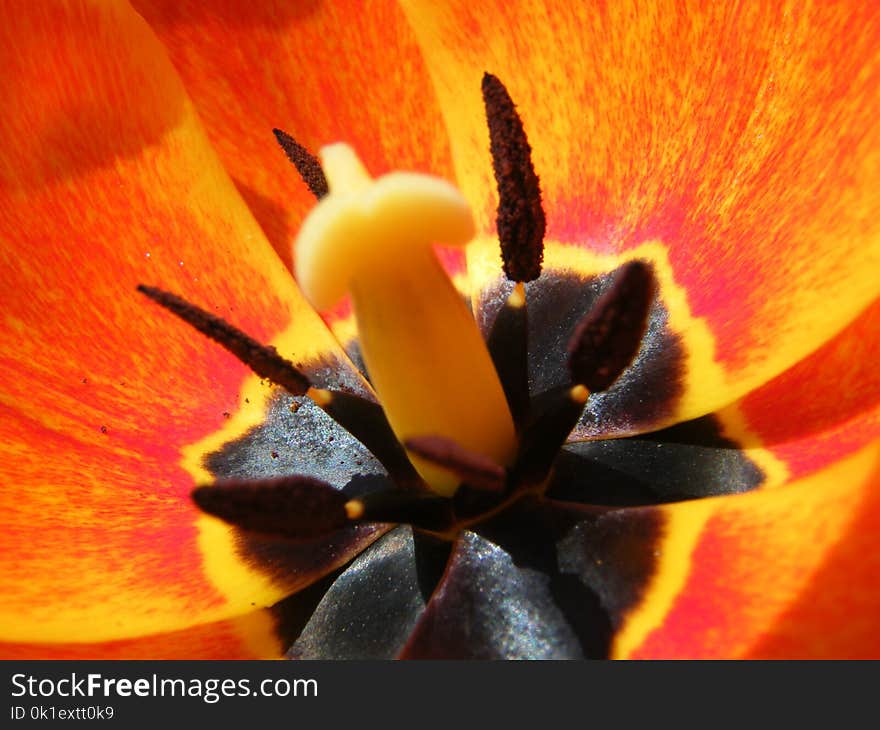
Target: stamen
{"x":520,"y":218}
{"x":472,"y":468}
{"x":297,"y":508}
{"x":363,"y":419}
{"x":306,"y":163}
{"x":366,"y":421}
{"x":403,"y":506}
{"x":607,"y":339}
{"x":264,"y":360}
{"x":547,"y":433}
{"x":508,"y":346}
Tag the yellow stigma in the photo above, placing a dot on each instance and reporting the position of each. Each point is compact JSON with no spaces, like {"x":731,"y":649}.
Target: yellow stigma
{"x":423,"y":351}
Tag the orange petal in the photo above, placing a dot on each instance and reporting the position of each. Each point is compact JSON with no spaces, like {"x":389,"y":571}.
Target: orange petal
{"x":825,"y":407}
{"x":108,"y":405}
{"x":783,"y":573}
{"x":744,"y":140}
{"x":324,"y":72}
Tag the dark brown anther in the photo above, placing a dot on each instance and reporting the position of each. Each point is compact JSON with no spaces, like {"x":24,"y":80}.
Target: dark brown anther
{"x":520,"y":219}
{"x":473,"y":469}
{"x":607,"y":339}
{"x":264,"y":360}
{"x":296,"y":508}
{"x":307,"y":165}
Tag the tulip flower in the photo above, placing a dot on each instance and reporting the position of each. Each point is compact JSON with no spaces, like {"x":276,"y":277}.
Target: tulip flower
{"x":720,"y":498}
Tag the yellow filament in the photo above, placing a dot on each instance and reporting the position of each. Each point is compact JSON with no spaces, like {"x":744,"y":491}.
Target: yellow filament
{"x":517,"y":298}
{"x":354,"y":509}
{"x":320,"y":397}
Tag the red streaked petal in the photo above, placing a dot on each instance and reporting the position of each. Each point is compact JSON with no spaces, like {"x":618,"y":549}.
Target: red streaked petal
{"x":326,"y":72}
{"x":789,"y":572}
{"x":108,"y":403}
{"x":825,"y":407}
{"x":742,"y":138}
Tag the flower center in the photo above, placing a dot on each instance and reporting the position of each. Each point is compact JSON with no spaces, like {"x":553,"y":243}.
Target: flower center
{"x":457,"y":431}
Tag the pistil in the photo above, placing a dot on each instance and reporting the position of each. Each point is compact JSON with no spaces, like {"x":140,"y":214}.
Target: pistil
{"x":424,"y":353}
